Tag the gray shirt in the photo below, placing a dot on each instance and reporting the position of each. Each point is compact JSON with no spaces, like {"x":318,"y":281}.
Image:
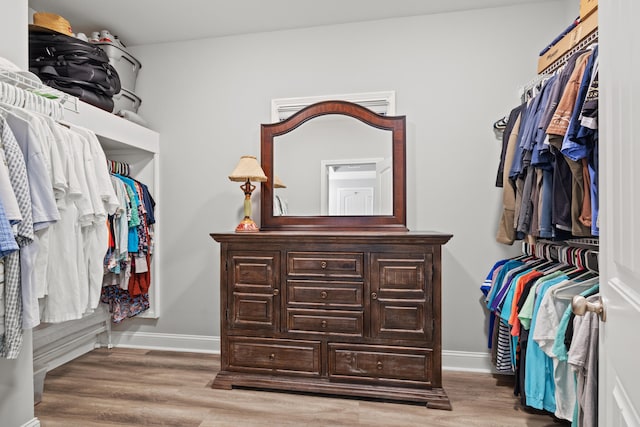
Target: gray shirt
{"x":583,"y":358}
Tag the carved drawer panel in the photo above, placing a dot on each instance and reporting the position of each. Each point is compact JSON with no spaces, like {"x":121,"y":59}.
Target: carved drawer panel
{"x":265,"y":355}
{"x":401,"y":319}
{"x":254,"y":272}
{"x":401,"y":296}
{"x":325,"y":264}
{"x":253,"y":295}
{"x":384,"y":364}
{"x":324,"y":294}
{"x":252,"y":311}
{"x":331,"y":322}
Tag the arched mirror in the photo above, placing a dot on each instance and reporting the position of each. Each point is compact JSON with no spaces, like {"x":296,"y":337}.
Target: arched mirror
{"x":334,"y":165}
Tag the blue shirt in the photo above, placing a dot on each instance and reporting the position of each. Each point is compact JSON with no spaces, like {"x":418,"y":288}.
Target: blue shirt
{"x":541,"y":157}
{"x":572,"y":147}
{"x":499,"y":278}
{"x":133,"y":240}
{"x":509,"y":272}
{"x":8,"y":242}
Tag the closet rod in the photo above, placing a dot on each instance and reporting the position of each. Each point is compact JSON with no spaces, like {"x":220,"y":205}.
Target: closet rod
{"x":564,"y":252}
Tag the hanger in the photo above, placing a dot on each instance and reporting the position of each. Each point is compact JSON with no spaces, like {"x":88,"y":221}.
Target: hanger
{"x":573,"y":288}
{"x":591,"y":260}
{"x":14,"y":97}
{"x":120,"y":168}
{"x":501,"y":123}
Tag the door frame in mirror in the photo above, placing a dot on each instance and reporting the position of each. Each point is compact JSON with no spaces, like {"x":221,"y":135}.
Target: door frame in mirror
{"x":396,"y":124}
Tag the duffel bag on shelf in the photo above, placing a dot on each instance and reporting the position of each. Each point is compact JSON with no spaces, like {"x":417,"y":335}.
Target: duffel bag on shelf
{"x":73,"y":66}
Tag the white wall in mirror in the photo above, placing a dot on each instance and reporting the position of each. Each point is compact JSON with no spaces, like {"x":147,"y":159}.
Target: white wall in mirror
{"x":302,"y":156}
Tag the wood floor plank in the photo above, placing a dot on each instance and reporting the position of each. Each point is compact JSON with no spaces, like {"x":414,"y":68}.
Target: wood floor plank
{"x":129,"y":387}
{"x":89,"y":410}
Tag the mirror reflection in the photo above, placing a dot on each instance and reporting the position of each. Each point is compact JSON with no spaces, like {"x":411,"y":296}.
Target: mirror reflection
{"x":333,"y":165}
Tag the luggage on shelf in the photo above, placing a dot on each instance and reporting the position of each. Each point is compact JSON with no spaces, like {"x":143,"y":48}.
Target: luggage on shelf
{"x":75,"y":67}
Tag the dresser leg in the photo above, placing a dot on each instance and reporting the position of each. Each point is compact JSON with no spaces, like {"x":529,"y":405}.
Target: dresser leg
{"x":222,"y":382}
{"x":437,"y":399}
{"x":440,"y":405}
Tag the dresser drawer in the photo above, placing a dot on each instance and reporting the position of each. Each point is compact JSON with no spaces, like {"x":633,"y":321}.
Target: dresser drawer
{"x":325,"y":264}
{"x":324,"y":293}
{"x":291,"y":357}
{"x":330,"y":322}
{"x":385,"y":364}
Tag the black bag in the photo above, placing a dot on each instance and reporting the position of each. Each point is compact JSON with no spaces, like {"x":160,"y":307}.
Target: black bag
{"x":75,"y":67}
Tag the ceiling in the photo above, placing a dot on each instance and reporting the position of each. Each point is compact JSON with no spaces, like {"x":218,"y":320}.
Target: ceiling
{"x":138,"y":22}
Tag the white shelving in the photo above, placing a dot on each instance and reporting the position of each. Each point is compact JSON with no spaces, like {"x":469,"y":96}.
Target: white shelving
{"x":23,"y":81}
{"x":123,"y":140}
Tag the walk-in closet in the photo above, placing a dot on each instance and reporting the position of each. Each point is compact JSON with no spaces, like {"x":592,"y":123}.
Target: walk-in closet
{"x":332,"y":213}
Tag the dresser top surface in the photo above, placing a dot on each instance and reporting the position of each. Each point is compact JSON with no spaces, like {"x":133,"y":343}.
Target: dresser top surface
{"x":424,"y":237}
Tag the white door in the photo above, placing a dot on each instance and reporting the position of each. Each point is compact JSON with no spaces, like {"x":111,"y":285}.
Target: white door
{"x":619,"y":370}
{"x":355,"y":201}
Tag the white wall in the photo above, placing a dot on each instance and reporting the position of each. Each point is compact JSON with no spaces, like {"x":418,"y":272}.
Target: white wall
{"x":13,"y":30}
{"x":454,"y":75}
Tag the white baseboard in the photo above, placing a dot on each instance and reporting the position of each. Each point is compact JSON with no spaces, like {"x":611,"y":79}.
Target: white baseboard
{"x":466,"y":361}
{"x":168,"y":342}
{"x":451,"y":360}
{"x":33,"y":423}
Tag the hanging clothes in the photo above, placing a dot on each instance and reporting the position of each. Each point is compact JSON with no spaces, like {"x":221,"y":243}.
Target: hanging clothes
{"x":583,"y":358}
{"x":55,"y":198}
{"x":530,"y":298}
{"x":548,"y":162}
{"x":127,"y":264}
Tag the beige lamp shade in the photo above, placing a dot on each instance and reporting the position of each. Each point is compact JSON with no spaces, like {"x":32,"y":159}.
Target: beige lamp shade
{"x":277,"y":183}
{"x":248,"y":169}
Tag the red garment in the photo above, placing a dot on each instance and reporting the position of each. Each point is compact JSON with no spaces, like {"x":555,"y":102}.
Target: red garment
{"x":139,"y":283}
{"x":514,"y":321}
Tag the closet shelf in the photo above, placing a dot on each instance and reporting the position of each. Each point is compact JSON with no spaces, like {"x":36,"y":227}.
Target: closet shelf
{"x":586,"y":243}
{"x":585,"y":33}
{"x":115,"y":132}
{"x":69,"y":102}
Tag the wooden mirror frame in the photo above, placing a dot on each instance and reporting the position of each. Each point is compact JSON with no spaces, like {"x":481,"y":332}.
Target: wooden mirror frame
{"x":394,"y":222}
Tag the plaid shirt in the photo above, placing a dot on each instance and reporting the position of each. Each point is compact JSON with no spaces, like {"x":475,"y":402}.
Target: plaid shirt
{"x":12,"y":344}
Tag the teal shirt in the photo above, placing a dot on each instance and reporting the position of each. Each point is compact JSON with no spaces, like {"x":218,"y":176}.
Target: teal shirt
{"x":539,"y":385}
{"x":526,"y":313}
{"x":559,"y":349}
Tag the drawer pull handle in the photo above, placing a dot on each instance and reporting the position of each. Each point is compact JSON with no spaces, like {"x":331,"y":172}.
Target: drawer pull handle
{"x":323,"y":264}
{"x":323,"y":323}
{"x":324,"y":294}
{"x":276,"y":292}
{"x":374,"y":295}
{"x":379,"y":365}
{"x":272,"y":356}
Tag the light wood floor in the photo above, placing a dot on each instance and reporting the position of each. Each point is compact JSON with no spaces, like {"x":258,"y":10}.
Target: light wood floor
{"x":157,"y":388}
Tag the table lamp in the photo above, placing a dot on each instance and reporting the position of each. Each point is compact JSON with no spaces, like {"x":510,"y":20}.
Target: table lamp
{"x":246,"y":171}
{"x":277,"y":183}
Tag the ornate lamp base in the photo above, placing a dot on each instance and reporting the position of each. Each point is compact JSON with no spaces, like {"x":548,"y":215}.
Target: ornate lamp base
{"x":247,"y":226}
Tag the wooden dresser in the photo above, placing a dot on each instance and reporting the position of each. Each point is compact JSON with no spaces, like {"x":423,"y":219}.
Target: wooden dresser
{"x":342,"y":313}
